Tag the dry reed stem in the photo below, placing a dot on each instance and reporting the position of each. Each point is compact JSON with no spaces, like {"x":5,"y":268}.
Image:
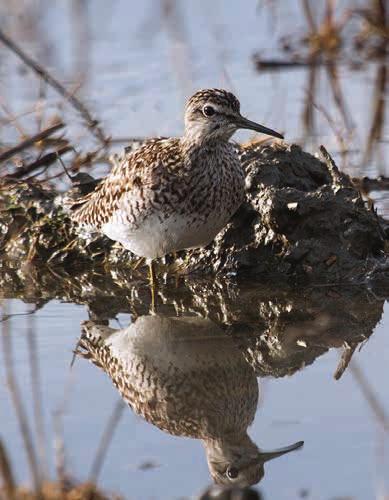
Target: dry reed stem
{"x":92,"y":123}
{"x":36,"y":392}
{"x":59,"y":442}
{"x":45,"y":161}
{"x":18,"y":405}
{"x":338,"y":132}
{"x":309,"y":15}
{"x":378,"y":112}
{"x":105,"y":441}
{"x":6,"y":475}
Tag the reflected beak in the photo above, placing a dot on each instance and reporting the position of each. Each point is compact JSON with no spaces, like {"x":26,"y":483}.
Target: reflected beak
{"x":242,"y":122}
{"x":265,"y":456}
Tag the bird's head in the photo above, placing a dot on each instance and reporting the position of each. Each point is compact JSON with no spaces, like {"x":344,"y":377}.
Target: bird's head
{"x":215,"y":114}
{"x":240,"y":462}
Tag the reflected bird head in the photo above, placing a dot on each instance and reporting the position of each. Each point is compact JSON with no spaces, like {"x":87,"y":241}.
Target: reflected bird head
{"x":241,"y":463}
{"x":215,"y":114}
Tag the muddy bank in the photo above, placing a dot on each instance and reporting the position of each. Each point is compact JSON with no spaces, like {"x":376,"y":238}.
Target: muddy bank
{"x":302,"y":220}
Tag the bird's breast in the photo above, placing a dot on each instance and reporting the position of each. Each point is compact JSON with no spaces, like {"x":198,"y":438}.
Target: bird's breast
{"x":186,"y":209}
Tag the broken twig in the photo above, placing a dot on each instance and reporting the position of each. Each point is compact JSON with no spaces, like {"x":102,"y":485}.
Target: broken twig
{"x":344,"y":360}
{"x":45,"y":161}
{"x":333,"y":169}
{"x":31,"y":140}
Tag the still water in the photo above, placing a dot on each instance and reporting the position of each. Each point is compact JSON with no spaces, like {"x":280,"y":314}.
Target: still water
{"x":197,"y":372}
{"x":217,"y":357}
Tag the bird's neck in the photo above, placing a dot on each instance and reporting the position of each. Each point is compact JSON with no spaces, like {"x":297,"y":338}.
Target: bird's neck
{"x":195,"y":149}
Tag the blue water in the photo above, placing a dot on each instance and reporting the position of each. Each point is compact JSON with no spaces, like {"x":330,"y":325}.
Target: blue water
{"x":341,"y":456}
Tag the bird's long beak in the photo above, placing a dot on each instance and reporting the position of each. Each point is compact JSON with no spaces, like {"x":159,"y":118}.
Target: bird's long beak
{"x":265,"y":456}
{"x":243,"y":122}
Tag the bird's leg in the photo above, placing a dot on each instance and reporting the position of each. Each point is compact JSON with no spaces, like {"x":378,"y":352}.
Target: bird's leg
{"x":138,"y":263}
{"x":152,"y":277}
{"x":153,"y":283}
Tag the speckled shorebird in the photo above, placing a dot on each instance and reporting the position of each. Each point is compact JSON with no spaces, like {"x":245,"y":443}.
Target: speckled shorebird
{"x":186,"y":376}
{"x":177,"y":193}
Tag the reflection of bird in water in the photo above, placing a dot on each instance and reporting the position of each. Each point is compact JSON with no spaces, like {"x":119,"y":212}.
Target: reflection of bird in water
{"x":174,"y":193}
{"x":187,"y":378}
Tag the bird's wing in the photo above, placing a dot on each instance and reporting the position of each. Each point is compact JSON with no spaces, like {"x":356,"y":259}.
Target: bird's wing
{"x":141,"y":169}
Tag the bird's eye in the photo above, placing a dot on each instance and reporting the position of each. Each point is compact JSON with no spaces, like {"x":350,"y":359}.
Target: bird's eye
{"x":208,"y":111}
{"x":232,"y":473}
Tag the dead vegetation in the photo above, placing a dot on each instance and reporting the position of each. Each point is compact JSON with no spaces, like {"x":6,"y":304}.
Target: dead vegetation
{"x":56,"y":491}
{"x":43,"y":488}
{"x":340,"y":42}
{"x":328,"y":41}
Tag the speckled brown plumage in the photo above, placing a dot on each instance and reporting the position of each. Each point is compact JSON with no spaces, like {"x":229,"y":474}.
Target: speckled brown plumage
{"x":162,"y":175}
{"x":174,"y":193}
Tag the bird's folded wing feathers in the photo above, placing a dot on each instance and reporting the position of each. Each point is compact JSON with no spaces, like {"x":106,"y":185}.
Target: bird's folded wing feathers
{"x":141,"y":169}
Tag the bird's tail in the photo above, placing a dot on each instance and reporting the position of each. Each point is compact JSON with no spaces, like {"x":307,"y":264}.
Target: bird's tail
{"x":78,"y":208}
{"x":92,"y":343}
{"x":78,"y":198}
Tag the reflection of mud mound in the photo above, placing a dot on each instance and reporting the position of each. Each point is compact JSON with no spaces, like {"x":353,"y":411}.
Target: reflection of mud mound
{"x":302,"y":219}
{"x":279,"y":330}
{"x":299,"y":329}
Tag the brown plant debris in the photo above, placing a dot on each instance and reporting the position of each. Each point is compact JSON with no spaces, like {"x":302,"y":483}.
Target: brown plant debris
{"x":57,"y":491}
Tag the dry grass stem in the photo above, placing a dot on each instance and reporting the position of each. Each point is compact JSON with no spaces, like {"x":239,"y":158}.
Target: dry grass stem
{"x":370,"y":396}
{"x":6,"y":475}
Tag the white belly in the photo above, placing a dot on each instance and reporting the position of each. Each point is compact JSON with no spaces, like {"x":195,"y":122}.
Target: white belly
{"x":155,"y":238}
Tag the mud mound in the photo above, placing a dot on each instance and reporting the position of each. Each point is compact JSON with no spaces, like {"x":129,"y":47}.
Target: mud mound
{"x":302,"y":219}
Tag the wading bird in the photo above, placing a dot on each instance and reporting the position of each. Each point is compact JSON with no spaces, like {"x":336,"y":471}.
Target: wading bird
{"x":176,"y":193}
